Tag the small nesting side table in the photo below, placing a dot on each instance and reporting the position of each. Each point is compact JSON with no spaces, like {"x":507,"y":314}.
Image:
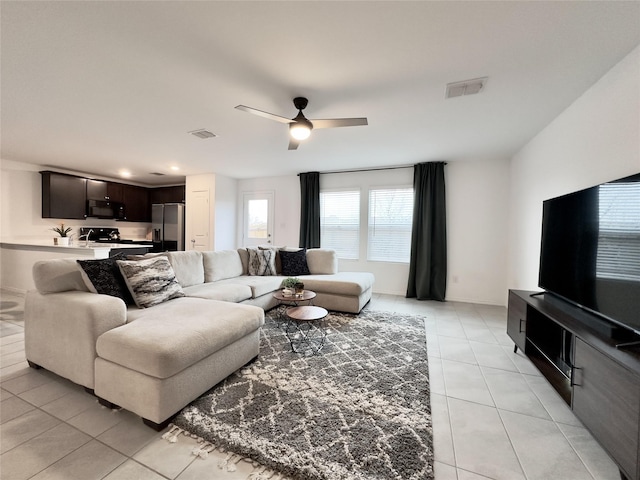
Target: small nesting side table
{"x":305,"y":328}
{"x":292,"y":301}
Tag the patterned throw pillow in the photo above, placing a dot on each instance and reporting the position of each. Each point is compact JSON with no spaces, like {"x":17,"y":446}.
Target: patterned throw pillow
{"x":150,"y":281}
{"x":294,"y":263}
{"x":276,"y":250}
{"x":103,"y":276}
{"x":261,"y":262}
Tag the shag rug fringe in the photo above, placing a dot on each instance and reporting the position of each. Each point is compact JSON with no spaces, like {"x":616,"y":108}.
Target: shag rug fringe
{"x":231,"y":460}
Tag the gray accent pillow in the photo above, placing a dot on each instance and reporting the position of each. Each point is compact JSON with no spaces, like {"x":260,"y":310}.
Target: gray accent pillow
{"x":261,"y":262}
{"x":150,"y":281}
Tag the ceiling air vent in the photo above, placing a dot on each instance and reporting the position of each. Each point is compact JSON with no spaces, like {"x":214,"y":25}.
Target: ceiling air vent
{"x":203,"y":134}
{"x":466,"y":87}
{"x":158,"y":174}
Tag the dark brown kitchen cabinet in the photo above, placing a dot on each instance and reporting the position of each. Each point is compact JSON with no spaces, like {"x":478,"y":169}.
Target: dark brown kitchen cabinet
{"x":175,"y":194}
{"x":97,"y":190}
{"x":115,"y":191}
{"x":137,"y":205}
{"x":63,"y":196}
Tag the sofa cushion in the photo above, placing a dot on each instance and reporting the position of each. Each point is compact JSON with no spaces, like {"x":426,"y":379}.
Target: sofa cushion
{"x":188,"y":267}
{"x":150,"y":281}
{"x":294,"y":263}
{"x":342,"y":283}
{"x":259,"y":285}
{"x":227,"y":292}
{"x":59,"y":275}
{"x":322,"y":261}
{"x":147,"y":255}
{"x":222,"y":264}
{"x":174,"y":335}
{"x":103,"y":276}
{"x":244,"y":259}
{"x":261,"y":262}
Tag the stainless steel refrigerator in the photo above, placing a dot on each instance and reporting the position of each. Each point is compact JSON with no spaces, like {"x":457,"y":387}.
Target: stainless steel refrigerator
{"x":167,"y":224}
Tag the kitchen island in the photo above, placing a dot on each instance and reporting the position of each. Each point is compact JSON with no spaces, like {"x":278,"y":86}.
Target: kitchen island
{"x":17,"y":257}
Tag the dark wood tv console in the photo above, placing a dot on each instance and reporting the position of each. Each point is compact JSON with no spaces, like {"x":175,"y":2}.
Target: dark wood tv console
{"x":576,"y":351}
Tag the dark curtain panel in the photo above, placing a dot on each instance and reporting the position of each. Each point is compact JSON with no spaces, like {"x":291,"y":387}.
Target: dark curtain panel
{"x":310,"y":210}
{"x":428,"y":264}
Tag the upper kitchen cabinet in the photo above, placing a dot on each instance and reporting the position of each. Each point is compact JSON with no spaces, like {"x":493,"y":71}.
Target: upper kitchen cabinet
{"x":115,"y":191}
{"x":63,"y":196}
{"x":97,"y":190}
{"x":136,"y":202}
{"x":174,"y":194}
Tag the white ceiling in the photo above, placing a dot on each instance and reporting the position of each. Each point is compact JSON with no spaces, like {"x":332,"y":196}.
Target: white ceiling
{"x":99,"y":86}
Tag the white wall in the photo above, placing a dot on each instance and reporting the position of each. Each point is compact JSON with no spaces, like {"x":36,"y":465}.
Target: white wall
{"x":477,"y":225}
{"x":594,"y":140}
{"x":225,"y":213}
{"x":477,"y":217}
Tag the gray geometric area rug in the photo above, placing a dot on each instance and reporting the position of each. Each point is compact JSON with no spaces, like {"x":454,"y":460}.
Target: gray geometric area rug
{"x":359,"y":409}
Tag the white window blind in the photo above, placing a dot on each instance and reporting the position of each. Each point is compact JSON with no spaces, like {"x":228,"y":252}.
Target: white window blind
{"x":619,"y":233}
{"x":390,"y":220}
{"x":340,"y":222}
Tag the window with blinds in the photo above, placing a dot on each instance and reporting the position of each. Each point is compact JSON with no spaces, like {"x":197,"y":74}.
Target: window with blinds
{"x":619,"y":231}
{"x":340,"y":222}
{"x":390,"y":219}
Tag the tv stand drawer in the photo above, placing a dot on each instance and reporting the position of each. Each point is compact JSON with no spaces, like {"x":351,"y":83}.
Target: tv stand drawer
{"x":605,"y":399}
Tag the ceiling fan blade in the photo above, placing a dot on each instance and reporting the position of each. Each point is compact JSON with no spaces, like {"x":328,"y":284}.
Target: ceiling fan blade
{"x":339,"y":122}
{"x":260,"y":113}
{"x":293,"y":144}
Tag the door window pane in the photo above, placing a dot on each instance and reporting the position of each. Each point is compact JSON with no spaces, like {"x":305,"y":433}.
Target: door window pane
{"x":258,"y":216}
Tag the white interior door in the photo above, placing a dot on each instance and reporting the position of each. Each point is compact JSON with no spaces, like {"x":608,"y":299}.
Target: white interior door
{"x":201,"y":223}
{"x":257,"y":219}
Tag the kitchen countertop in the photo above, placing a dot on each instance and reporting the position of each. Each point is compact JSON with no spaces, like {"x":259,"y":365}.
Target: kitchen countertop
{"x":19,"y":255}
{"x":74,"y":245}
{"x":77,"y":247}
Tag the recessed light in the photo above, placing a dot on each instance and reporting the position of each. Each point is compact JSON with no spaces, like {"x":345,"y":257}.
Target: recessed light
{"x":175,"y":169}
{"x":125,"y":173}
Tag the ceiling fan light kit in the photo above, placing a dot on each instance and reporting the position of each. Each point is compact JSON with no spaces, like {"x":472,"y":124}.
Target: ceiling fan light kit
{"x":300,"y":127}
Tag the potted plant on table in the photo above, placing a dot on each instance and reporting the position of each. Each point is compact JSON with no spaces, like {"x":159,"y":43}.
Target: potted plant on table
{"x":62,"y":231}
{"x":289,"y":285}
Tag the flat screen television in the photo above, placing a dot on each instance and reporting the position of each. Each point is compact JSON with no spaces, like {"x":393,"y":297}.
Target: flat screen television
{"x":590,"y":250}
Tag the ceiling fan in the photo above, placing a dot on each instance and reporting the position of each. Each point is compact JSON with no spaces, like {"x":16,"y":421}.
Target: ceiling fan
{"x":300,"y":127}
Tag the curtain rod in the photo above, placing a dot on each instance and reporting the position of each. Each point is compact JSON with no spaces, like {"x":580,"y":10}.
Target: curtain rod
{"x":366,"y":169}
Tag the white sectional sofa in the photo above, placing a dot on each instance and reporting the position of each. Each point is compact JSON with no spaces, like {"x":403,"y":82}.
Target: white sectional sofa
{"x":153,"y":361}
{"x":223,"y":275}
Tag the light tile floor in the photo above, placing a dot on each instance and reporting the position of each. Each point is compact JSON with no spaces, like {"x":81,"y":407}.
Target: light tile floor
{"x":494,"y":415}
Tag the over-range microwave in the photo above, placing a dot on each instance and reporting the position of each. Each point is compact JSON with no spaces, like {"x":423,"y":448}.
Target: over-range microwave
{"x":105,"y":209}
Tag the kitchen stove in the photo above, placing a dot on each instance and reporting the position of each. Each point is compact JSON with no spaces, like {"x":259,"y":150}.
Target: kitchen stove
{"x":105,"y":235}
